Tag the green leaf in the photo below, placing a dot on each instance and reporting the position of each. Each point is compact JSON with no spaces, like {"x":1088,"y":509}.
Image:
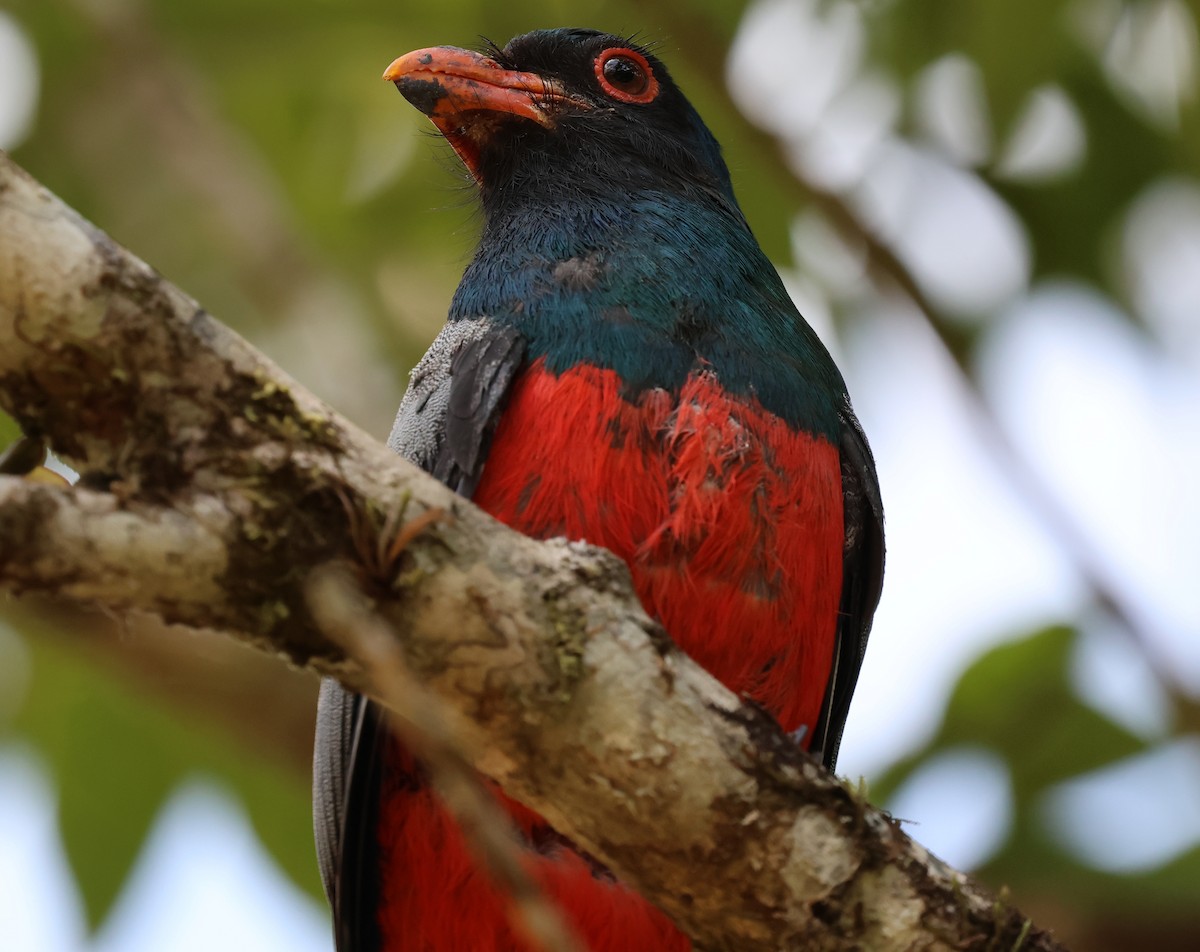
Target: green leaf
{"x":1071,"y":227}
{"x":1018,"y":44}
{"x":1017,"y":701}
{"x":113,"y":765}
{"x":277,"y":800}
{"x":1031,"y":865}
{"x":10,"y":432}
{"x":116,"y":756}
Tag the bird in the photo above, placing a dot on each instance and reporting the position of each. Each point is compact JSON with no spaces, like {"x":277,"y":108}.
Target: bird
{"x":621,"y":364}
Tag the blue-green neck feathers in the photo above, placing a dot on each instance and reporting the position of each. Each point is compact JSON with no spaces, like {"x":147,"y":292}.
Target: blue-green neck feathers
{"x":652,"y":285}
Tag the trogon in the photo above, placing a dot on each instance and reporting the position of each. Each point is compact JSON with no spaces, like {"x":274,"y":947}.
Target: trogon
{"x":621,"y":364}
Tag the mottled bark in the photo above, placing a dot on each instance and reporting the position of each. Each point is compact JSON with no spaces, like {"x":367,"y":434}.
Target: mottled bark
{"x":214,"y":487}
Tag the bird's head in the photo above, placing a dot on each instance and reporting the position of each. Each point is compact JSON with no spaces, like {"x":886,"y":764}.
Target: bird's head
{"x":564,"y":112}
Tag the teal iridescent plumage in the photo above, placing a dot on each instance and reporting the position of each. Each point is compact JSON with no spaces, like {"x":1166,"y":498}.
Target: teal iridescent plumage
{"x":656,"y":281}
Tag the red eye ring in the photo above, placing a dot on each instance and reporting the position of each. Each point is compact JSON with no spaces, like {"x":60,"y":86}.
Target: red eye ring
{"x":642,"y":87}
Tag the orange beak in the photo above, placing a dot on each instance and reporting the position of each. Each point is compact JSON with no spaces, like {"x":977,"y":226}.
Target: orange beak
{"x":463,"y":92}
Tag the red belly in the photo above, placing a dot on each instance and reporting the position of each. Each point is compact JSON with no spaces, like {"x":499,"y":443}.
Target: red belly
{"x":731,"y":524}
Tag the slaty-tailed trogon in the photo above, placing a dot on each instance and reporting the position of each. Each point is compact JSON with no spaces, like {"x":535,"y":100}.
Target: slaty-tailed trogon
{"x":622,"y":365}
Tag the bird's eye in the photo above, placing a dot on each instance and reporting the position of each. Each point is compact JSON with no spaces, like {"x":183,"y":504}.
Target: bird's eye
{"x":626,"y":75}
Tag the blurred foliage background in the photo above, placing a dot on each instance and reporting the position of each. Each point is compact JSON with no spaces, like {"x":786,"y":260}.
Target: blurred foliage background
{"x":992,"y":205}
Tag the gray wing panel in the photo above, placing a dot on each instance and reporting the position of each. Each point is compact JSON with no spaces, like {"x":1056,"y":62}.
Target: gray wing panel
{"x":332,"y":746}
{"x":450,"y":410}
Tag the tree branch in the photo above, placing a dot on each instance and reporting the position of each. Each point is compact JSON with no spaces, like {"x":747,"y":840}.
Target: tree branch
{"x":220,"y":486}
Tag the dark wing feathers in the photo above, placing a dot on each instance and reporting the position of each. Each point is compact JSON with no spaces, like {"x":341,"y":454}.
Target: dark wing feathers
{"x":347,"y":771}
{"x":444,"y":425}
{"x":480,"y":373}
{"x":862,"y":581}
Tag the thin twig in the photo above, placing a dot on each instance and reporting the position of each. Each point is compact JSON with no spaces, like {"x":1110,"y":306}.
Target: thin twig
{"x":435,"y":734}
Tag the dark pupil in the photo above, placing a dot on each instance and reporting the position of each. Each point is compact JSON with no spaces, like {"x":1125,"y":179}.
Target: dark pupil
{"x":625,"y":74}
